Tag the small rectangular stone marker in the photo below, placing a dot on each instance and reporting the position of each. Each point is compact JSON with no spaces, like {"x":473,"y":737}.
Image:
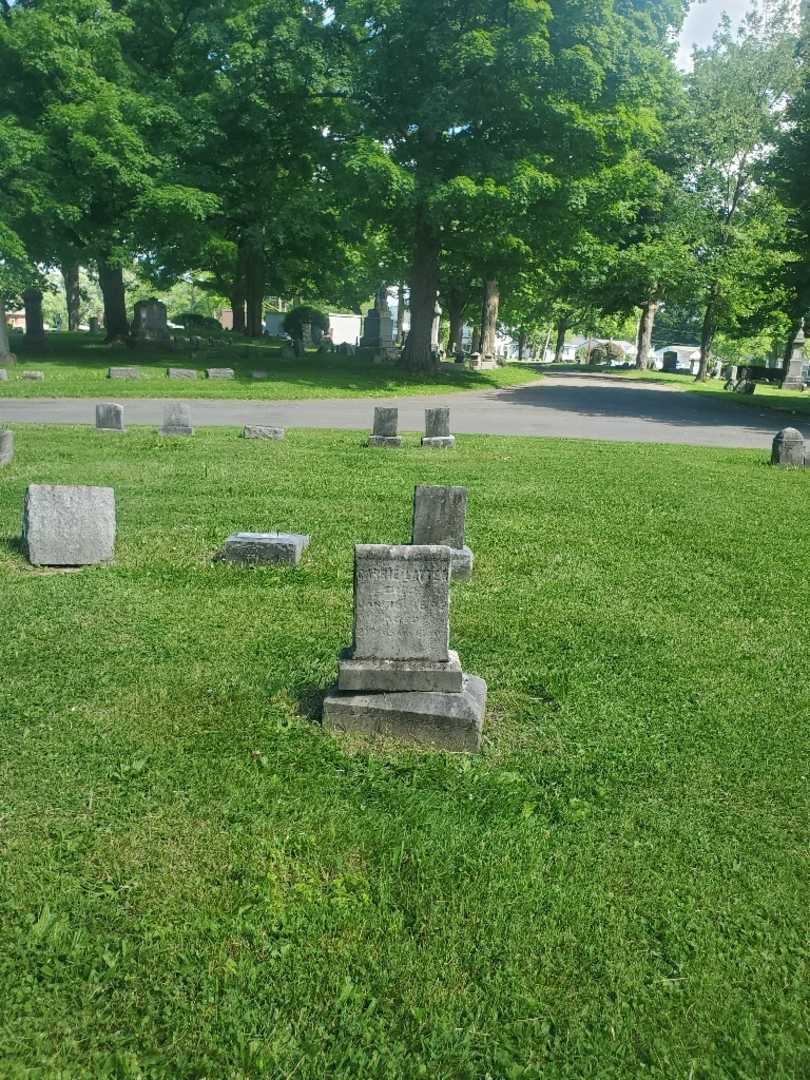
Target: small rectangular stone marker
{"x":437,"y":429}
{"x":34,"y":376}
{"x":68,"y":526}
{"x":6,"y":447}
{"x":260,"y":431}
{"x":386,"y":425}
{"x":110,"y":417}
{"x":260,"y":375}
{"x":177,"y":420}
{"x":3,"y":375}
{"x":123,"y":373}
{"x":439,"y":516}
{"x":265,"y":549}
{"x":220,"y":373}
{"x":182,"y":373}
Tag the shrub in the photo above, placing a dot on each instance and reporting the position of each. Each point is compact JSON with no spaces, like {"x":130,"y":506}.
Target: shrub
{"x":296,"y":320}
{"x":192,"y":320}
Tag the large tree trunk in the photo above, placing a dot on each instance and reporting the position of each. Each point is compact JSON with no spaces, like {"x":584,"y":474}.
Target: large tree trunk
{"x":70,"y":276}
{"x":34,"y":323}
{"x":645,"y":331}
{"x":489,"y":322}
{"x":521,"y":344}
{"x":238,"y":309}
{"x":6,"y":355}
{"x":456,"y":302}
{"x":562,"y":328}
{"x":400,"y":314}
{"x":111,"y":281}
{"x":417,"y":354}
{"x":254,"y":286}
{"x":707,"y":334}
{"x":791,"y":340}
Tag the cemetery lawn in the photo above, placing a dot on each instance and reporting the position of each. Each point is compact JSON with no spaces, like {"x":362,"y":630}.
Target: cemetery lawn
{"x":196,"y":881}
{"x":76,"y":366}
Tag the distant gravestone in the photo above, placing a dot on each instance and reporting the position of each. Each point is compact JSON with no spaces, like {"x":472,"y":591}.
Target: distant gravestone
{"x":177,"y":420}
{"x":92,"y":324}
{"x":400,"y":677}
{"x":182,"y":373}
{"x":150,"y":322}
{"x":123,"y":373}
{"x":68,"y":526}
{"x":3,"y":375}
{"x":265,"y":549}
{"x":257,"y":375}
{"x":220,"y":373}
{"x":794,"y":369}
{"x":6,"y":447}
{"x":386,"y":425}
{"x":262,"y":431}
{"x":34,"y":376}
{"x":439,"y":517}
{"x":789,"y":449}
{"x":378,"y":326}
{"x":109,"y":417}
{"x":437,"y":429}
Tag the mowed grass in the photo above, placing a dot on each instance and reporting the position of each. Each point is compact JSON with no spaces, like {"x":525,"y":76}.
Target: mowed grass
{"x":76,"y":366}
{"x":197,"y":881}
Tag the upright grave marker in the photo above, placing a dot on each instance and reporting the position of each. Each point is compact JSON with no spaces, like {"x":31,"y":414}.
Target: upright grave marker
{"x":150,"y":322}
{"x":385,"y":433}
{"x":789,"y":449}
{"x":177,"y":420}
{"x":110,"y":417}
{"x":6,"y":447}
{"x":68,"y":525}
{"x":437,"y":429}
{"x":400,"y":677}
{"x":439,"y":517}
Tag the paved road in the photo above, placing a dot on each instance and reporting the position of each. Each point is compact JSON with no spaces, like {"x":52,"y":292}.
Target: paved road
{"x":565,"y":406}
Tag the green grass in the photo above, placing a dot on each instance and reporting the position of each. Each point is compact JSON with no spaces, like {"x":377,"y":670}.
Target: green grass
{"x":196,"y":881}
{"x":76,"y":365}
{"x":764,"y":397}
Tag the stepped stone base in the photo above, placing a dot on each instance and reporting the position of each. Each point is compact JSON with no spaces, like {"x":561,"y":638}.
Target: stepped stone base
{"x":400,"y":676}
{"x":439,"y":720}
{"x":386,"y":442}
{"x":439,"y":442}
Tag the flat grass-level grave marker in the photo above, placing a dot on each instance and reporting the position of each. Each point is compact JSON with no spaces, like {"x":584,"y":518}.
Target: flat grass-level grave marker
{"x":123,"y":373}
{"x":439,"y":517}
{"x":789,"y":449}
{"x":177,"y":420}
{"x":6,"y":447}
{"x":181,"y":373}
{"x":110,"y":417}
{"x":34,"y":376}
{"x":437,"y":429}
{"x":262,"y":431}
{"x":220,"y":373}
{"x":400,"y":677}
{"x":386,"y":427}
{"x":68,"y":525}
{"x":265,"y":549}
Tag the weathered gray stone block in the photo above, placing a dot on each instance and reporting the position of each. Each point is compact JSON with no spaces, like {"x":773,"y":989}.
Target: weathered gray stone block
{"x":385,"y":442}
{"x":34,"y":376}
{"x":177,"y":420}
{"x":6,"y":447}
{"x":220,"y":373}
{"x":260,"y":431}
{"x":68,"y":526}
{"x":110,"y":417}
{"x":441,"y":721}
{"x":386,"y":422}
{"x":439,"y":516}
{"x":181,"y":373}
{"x":150,"y":322}
{"x":439,"y":442}
{"x":401,"y":602}
{"x":264,"y":549}
{"x":3,"y":375}
{"x":789,"y":449}
{"x":400,"y":676}
{"x":437,"y":423}
{"x":123,"y":373}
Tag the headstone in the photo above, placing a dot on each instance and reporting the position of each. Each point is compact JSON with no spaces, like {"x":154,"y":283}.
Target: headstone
{"x":177,"y":420}
{"x":3,"y":375}
{"x":265,"y":549}
{"x":92,"y":324}
{"x":439,"y":515}
{"x":794,"y":371}
{"x":437,"y":429}
{"x":789,"y":449}
{"x":110,"y":417}
{"x":386,"y":423}
{"x":34,"y":376}
{"x":150,"y":322}
{"x":6,"y":447}
{"x":182,"y":373}
{"x":68,"y":526}
{"x":378,"y":326}
{"x":220,"y":373}
{"x":401,"y":678}
{"x":123,"y":373}
{"x":260,"y":431}
{"x":260,"y":375}
{"x":435,"y":327}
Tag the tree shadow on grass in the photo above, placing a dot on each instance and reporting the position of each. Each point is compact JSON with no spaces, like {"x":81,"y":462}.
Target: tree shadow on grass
{"x":309,"y":698}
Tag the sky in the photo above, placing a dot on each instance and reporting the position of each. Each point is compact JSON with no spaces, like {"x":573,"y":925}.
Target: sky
{"x":702,"y":21}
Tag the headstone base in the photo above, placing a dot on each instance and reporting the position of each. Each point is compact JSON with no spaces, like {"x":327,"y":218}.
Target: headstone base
{"x":441,"y":721}
{"x":386,"y":442}
{"x":123,"y":373}
{"x":220,"y":373}
{"x":400,"y":676}
{"x":265,"y":549}
{"x":461,"y":563}
{"x":439,"y":442}
{"x":259,"y":431}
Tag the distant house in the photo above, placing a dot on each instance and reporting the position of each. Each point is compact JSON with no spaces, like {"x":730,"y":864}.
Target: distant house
{"x":677,"y":358}
{"x":346,"y":327}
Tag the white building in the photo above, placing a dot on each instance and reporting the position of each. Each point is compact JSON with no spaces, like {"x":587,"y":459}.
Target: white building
{"x":679,"y":358}
{"x":346,"y":327}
